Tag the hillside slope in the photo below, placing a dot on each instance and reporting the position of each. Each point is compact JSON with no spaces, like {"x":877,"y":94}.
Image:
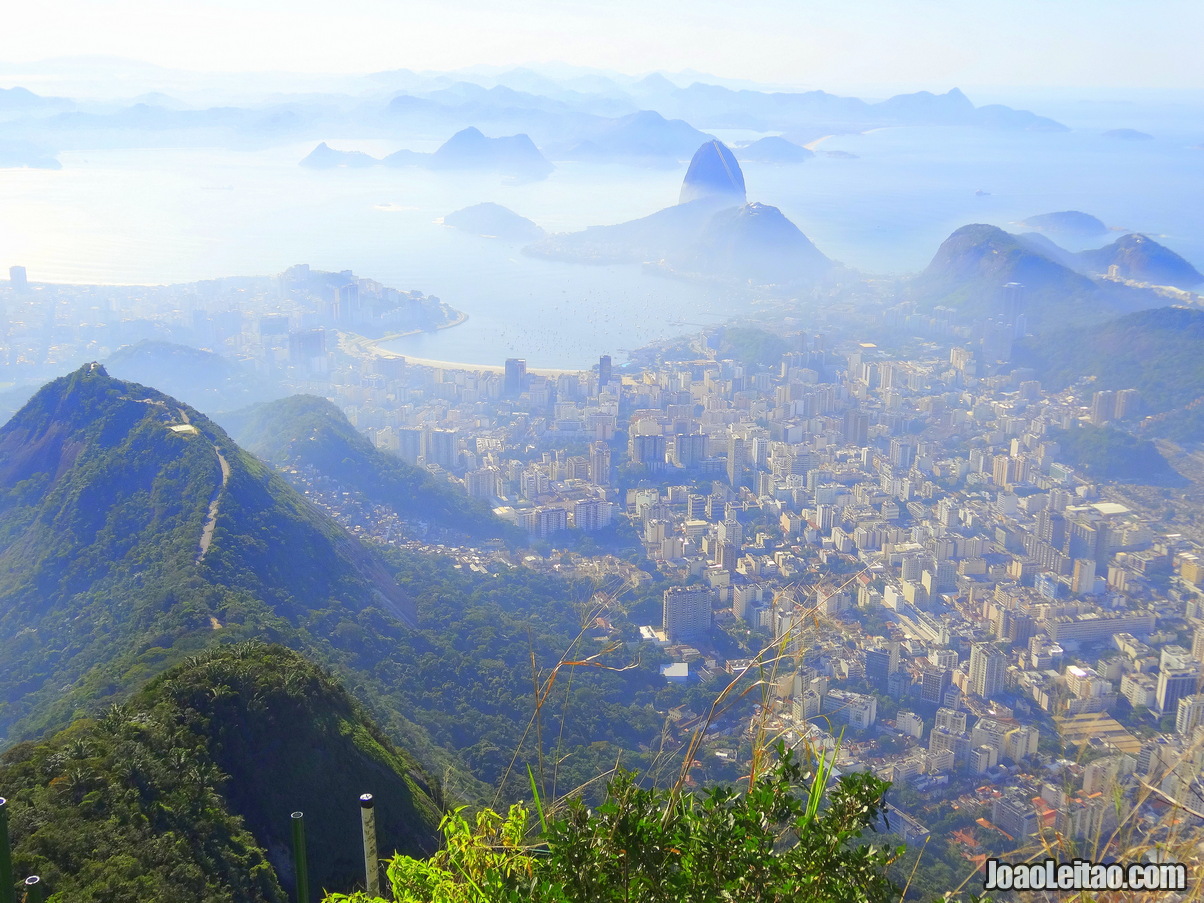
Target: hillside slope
{"x":133,"y":530}
{"x":185,"y":792}
{"x":304,"y":431}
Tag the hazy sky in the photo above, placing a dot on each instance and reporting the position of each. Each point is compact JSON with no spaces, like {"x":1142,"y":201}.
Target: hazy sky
{"x":919,"y":43}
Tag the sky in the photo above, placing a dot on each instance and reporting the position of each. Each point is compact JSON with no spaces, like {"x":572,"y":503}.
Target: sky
{"x":912,"y":44}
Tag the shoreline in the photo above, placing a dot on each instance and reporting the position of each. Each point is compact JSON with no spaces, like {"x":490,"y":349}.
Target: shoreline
{"x":353,"y":343}
{"x":484,"y":368}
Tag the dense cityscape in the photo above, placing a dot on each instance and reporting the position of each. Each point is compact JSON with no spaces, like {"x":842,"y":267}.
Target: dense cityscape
{"x":937,"y":594}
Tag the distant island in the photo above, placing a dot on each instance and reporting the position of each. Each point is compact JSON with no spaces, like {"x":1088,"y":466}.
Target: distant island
{"x":1128,"y":135}
{"x":712,"y":233}
{"x":494,"y":221}
{"x":1071,"y":223}
{"x":19,"y":154}
{"x":773,"y":149}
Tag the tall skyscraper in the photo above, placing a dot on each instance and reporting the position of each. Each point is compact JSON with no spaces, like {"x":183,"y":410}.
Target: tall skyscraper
{"x":17,"y":279}
{"x":516,"y":377}
{"x":604,"y":371}
{"x":599,"y":463}
{"x":987,"y":665}
{"x":877,"y":668}
{"x":686,"y":612}
{"x":857,"y":428}
{"x":1103,"y":406}
{"x":737,"y":460}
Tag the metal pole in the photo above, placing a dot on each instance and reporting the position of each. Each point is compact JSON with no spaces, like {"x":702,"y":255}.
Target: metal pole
{"x":371,"y":860}
{"x":300,"y":863}
{"x":8,"y":886}
{"x":35,"y":890}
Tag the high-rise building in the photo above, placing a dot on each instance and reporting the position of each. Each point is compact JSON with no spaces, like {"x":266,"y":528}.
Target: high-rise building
{"x":1189,"y":715}
{"x":857,"y":428}
{"x":17,"y":279}
{"x":1128,"y":401}
{"x":484,"y":483}
{"x":1082,"y":580}
{"x":441,"y":447}
{"x":877,"y":668}
{"x":592,"y":514}
{"x":648,"y":451}
{"x":737,"y":460}
{"x":902,"y":454}
{"x":1014,"y":813}
{"x":599,"y":463}
{"x":686,"y":612}
{"x":516,"y":377}
{"x":307,"y":351}
{"x":934,"y":682}
{"x":689,"y":449}
{"x":604,"y":371}
{"x":1173,"y":685}
{"x":1103,"y":407}
{"x":987,"y":665}
{"x":951,"y":720}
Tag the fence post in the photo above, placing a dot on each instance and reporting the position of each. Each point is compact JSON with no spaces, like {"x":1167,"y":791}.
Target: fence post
{"x":300,"y":862}
{"x":371,"y":860}
{"x":8,"y":885}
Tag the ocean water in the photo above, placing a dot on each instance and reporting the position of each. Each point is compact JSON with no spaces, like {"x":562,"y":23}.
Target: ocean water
{"x":177,"y":215}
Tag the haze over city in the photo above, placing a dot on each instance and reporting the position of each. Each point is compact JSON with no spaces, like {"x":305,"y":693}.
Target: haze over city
{"x":493,"y":399}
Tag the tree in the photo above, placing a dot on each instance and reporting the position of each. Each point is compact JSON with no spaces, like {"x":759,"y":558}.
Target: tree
{"x":789,"y":836}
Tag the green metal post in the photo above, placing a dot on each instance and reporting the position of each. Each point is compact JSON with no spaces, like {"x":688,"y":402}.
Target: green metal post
{"x":35,"y":890}
{"x":8,"y":885}
{"x":300,"y":862}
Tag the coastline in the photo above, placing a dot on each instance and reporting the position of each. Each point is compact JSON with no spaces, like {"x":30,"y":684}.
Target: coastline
{"x":361,"y":346}
{"x":481,"y":368}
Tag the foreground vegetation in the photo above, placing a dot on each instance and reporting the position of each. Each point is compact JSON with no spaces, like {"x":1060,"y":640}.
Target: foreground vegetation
{"x":184,"y":793}
{"x":789,"y":837}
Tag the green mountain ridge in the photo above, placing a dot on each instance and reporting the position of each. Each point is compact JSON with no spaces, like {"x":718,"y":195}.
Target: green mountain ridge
{"x":1159,"y":352}
{"x":305,"y":431}
{"x":102,"y":587}
{"x":185,"y":792}
{"x":133,"y":531}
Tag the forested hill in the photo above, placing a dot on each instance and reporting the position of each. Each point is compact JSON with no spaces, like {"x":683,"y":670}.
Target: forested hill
{"x":305,"y":431}
{"x":184,"y":793}
{"x":1160,"y":353}
{"x":971,"y":267}
{"x":132,"y":531}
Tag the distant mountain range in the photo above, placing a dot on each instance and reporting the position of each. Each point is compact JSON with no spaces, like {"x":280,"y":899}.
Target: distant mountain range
{"x":647,"y":121}
{"x":467,"y":149}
